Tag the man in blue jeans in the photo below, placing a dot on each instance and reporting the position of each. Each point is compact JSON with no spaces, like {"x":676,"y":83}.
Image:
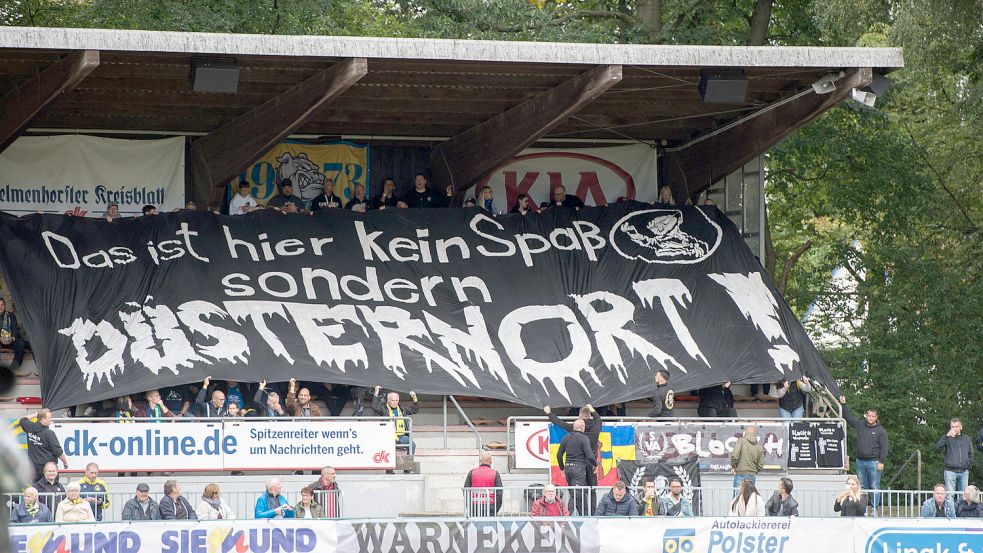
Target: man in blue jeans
{"x":872,"y":448}
{"x":957,"y":456}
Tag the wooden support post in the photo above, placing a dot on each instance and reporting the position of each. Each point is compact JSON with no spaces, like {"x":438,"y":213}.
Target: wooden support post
{"x":693,"y":167}
{"x":464,"y":159}
{"x":225,"y":152}
{"x":21,"y":105}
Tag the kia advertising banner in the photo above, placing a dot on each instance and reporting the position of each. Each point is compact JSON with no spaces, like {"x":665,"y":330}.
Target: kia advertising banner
{"x":532,"y":444}
{"x":80,"y":175}
{"x":558,"y":308}
{"x":234,"y":444}
{"x":599,"y":176}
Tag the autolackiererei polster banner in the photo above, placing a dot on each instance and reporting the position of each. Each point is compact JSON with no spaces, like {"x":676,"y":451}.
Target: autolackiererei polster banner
{"x":562,"y":308}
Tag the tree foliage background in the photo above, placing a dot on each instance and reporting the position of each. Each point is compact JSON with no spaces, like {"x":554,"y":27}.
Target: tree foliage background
{"x":892,"y":196}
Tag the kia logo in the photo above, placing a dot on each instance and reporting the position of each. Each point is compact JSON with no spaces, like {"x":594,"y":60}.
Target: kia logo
{"x":538,"y":445}
{"x":381,"y":457}
{"x":581,"y":174}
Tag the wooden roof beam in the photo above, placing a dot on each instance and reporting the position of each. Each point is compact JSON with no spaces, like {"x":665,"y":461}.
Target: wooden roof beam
{"x":223,"y":153}
{"x":692,"y":167}
{"x":467,"y":157}
{"x":21,"y":105}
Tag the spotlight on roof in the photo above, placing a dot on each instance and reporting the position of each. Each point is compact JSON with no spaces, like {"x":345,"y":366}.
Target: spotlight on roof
{"x":723,"y":86}
{"x":215,"y":75}
{"x":827,"y":83}
{"x":868,"y":94}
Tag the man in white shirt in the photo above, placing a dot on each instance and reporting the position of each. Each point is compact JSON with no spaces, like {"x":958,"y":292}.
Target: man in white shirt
{"x":243,"y":202}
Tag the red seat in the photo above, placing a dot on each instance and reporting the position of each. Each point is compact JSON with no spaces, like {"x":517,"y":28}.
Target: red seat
{"x":29,"y":400}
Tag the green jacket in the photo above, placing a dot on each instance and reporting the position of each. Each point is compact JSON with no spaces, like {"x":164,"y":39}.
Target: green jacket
{"x":748,"y":457}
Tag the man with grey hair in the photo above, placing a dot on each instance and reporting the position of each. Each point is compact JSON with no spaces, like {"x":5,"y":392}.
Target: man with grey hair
{"x":748,"y":457}
{"x":271,"y":504}
{"x":268,"y":403}
{"x":141,"y":506}
{"x":173,"y":506}
{"x":30,"y":510}
{"x":481,"y":502}
{"x":388,"y":406}
{"x":548,"y":505}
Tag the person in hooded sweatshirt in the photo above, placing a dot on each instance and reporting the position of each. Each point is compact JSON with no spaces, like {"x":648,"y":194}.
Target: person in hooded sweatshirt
{"x":748,"y":457}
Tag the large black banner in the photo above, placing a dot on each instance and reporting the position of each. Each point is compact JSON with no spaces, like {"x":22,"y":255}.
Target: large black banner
{"x":560,"y":308}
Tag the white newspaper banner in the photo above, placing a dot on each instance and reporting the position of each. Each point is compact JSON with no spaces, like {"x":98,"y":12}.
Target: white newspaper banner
{"x":240,"y":444}
{"x":532,"y":445}
{"x":228,"y":536}
{"x":312,"y":444}
{"x":80,"y":175}
{"x":599,"y":176}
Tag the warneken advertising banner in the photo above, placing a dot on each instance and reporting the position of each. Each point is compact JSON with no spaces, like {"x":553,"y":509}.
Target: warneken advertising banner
{"x":450,"y":535}
{"x":562,"y":308}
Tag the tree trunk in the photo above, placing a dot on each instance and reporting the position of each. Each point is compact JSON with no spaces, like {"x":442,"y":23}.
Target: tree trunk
{"x":760,"y":19}
{"x":650,"y":13}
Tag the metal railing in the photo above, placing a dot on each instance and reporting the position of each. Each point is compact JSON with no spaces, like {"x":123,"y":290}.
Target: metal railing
{"x":242,"y":504}
{"x":705,"y":501}
{"x":915,"y":456}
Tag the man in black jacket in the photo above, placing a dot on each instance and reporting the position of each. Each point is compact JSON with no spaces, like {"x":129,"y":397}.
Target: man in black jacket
{"x":561,"y":198}
{"x":872,"y":449}
{"x":716,"y":401}
{"x":214,"y":406}
{"x":10,"y":335}
{"x":49,"y":487}
{"x":957,"y":456}
{"x":592,"y":429}
{"x":664,"y":398}
{"x":174,"y":506}
{"x":782,"y":504}
{"x":576,"y":458}
{"x":43,"y":446}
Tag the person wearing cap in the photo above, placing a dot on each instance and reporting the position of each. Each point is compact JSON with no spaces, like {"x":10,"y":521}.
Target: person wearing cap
{"x":285,"y":197}
{"x":112,"y":212}
{"x":142,"y":506}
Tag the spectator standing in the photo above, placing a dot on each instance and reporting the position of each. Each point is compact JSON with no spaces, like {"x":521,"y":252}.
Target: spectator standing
{"x":388,"y":406}
{"x":215,"y":406}
{"x":522,"y":206}
{"x":336,"y":396}
{"x":299,"y":402}
{"x":957,"y":456}
{"x":872,"y":450}
{"x":243,"y":202}
{"x":94,"y":490}
{"x":664,"y":398}
{"x":271,"y":504}
{"x":112,"y":212}
{"x":327,"y":199}
{"x":358,"y":202}
{"x":665,"y":196}
{"x":592,"y":429}
{"x":484,"y":503}
{"x":286,"y":196}
{"x":308,"y":507}
{"x":174,"y":506}
{"x":748,"y":502}
{"x":149,"y":210}
{"x":155,"y":407}
{"x":235,"y":392}
{"x":421,"y":195}
{"x":43,"y":445}
{"x":781,"y":503}
{"x":49,"y":486}
{"x":748,"y":457}
{"x":851,"y":501}
{"x":177,"y":399}
{"x":211,"y":506}
{"x":327,"y":490}
{"x":10,"y":335}
{"x":969,"y":505}
{"x":485,"y":199}
{"x":30,"y":510}
{"x":675,"y":504}
{"x":617,"y":503}
{"x":562,"y":199}
{"x":576,"y":458}
{"x":939,"y":505}
{"x":548,"y":505}
{"x":387,"y":198}
{"x":716,"y":401}
{"x":141,"y":506}
{"x":792,"y":397}
{"x":268,"y":403}
{"x":651,"y":503}
{"x":73,"y":508}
